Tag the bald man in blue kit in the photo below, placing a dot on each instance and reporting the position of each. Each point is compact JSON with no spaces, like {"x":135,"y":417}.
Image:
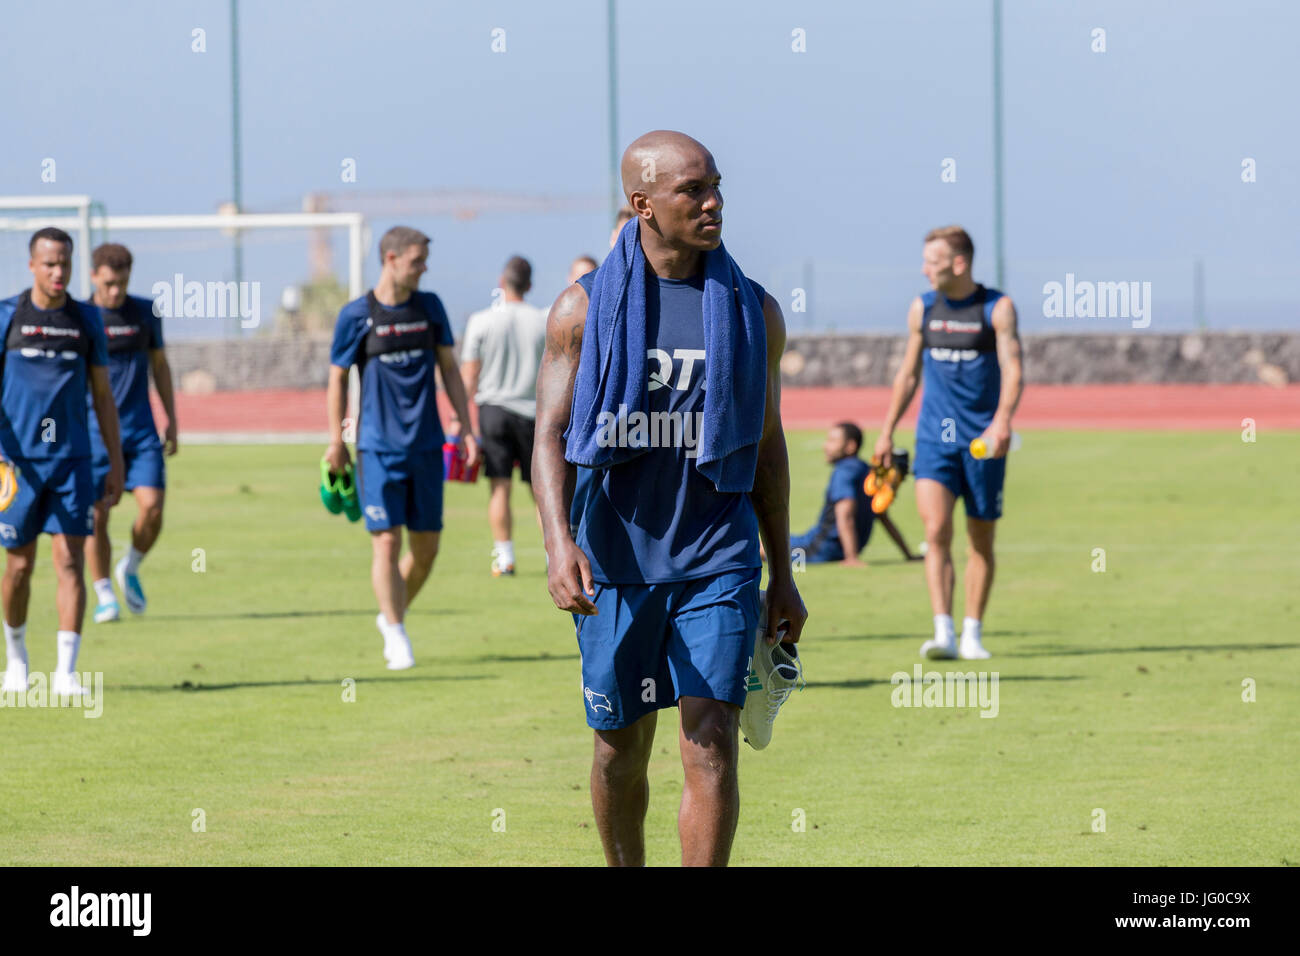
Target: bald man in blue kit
{"x":658,"y":564}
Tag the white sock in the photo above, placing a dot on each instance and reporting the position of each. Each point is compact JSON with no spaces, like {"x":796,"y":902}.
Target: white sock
{"x":971,"y":629}
{"x":104,"y":590}
{"x":16,"y":643}
{"x":943,"y":628}
{"x":133,"y":559}
{"x":390,"y":629}
{"x":505,"y":551}
{"x":69,"y":645}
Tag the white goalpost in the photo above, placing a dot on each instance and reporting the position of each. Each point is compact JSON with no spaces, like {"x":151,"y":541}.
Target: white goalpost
{"x":77,"y":216}
{"x":72,"y":214}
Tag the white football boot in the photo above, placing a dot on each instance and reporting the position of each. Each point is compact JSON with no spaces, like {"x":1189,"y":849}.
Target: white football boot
{"x":67,"y":685}
{"x":937,"y":649}
{"x":774,"y":673}
{"x":15,"y":678}
{"x":397,"y":646}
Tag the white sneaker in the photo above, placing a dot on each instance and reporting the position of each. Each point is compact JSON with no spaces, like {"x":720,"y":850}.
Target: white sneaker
{"x":106,"y":613}
{"x":381,"y":622}
{"x":129,"y":584}
{"x":774,"y":674}
{"x":15,"y":678}
{"x":67,"y":685}
{"x":972,"y":650}
{"x":397,"y":647}
{"x":500,"y":566}
{"x":400,"y":657}
{"x":939,"y":650}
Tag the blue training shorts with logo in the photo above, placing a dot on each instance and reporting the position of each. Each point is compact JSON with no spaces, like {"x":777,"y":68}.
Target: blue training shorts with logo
{"x":54,"y":496}
{"x":144,"y":467}
{"x":977,"y":481}
{"x":401,"y":488}
{"x":653,"y":643}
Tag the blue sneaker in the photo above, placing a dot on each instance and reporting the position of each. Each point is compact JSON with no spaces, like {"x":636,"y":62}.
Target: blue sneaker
{"x":131,"y":590}
{"x":107,"y":611}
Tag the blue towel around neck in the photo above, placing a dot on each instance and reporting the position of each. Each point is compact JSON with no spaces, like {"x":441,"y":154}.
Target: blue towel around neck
{"x":612,"y":370}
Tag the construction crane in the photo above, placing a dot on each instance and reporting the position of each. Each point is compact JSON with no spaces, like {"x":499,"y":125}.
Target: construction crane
{"x":460,"y":204}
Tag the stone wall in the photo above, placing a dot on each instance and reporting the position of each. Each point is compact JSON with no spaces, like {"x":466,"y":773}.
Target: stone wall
{"x":1222,"y":357}
{"x":828,"y":360}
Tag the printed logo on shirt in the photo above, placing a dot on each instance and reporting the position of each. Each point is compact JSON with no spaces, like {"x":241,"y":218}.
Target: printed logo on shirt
{"x":662,"y":365}
{"x":400,"y":358}
{"x":50,"y":331}
{"x":954,"y":325}
{"x":401,"y":328}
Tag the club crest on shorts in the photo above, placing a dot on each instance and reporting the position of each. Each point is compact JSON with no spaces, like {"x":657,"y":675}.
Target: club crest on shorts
{"x":376,"y":513}
{"x":597,"y":701}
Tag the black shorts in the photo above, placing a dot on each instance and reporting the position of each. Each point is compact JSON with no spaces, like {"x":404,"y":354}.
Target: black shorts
{"x":507,"y":438}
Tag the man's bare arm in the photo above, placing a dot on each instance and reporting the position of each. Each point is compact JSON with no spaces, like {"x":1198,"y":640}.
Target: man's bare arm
{"x":998,"y":435}
{"x":846,"y":510}
{"x":569,"y":571}
{"x":905,"y":382}
{"x":451,"y":381}
{"x":162,"y":380}
{"x":469,"y":372}
{"x":101,"y":391}
{"x":771,"y":493}
{"x":336,"y":406}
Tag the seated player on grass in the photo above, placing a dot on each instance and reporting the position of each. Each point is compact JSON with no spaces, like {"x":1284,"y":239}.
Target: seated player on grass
{"x":844,"y":527}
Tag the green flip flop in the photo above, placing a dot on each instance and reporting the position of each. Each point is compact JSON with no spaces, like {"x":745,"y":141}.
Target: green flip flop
{"x":347,"y":488}
{"x":331,"y":494}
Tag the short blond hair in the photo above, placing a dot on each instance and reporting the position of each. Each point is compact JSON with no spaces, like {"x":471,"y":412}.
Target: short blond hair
{"x":958,"y":240}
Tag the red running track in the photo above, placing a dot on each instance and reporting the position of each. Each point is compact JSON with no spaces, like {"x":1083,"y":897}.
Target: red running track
{"x":280,"y":411}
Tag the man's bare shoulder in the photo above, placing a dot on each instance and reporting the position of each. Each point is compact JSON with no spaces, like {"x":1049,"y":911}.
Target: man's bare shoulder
{"x":915,"y":313}
{"x":773,"y":320}
{"x":567,"y":319}
{"x":1004,"y":313}
{"x":570,"y":305}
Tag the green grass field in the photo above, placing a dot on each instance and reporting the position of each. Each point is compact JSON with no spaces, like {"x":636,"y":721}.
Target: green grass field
{"x":1119,"y":691}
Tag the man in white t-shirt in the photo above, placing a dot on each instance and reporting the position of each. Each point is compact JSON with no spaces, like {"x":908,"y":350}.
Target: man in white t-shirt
{"x":499,"y":360}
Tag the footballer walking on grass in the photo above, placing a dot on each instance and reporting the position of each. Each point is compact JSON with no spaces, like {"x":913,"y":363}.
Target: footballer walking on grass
{"x":396,"y":335}
{"x":52,"y":353}
{"x":963,"y":337}
{"x":660,"y":460}
{"x":499,"y":358}
{"x":133,"y":334}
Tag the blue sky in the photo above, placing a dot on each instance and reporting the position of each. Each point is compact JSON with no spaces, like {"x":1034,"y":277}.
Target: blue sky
{"x":1120,"y":166}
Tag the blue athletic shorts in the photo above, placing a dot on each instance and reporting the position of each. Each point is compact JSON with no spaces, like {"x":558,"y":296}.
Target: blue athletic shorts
{"x":653,"y":643}
{"x":400,"y":488}
{"x":144,"y":467}
{"x":55,"y":496}
{"x":977,"y":481}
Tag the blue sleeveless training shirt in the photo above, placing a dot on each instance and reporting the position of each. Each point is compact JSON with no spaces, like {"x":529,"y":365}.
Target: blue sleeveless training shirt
{"x":655,"y":518}
{"x":962,"y":378}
